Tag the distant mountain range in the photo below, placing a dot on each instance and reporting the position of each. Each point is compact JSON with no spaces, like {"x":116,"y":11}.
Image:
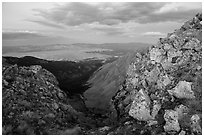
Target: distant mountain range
{"x":73,"y":52}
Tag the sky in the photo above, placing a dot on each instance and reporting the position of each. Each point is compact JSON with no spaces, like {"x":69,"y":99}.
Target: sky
{"x":49,"y":23}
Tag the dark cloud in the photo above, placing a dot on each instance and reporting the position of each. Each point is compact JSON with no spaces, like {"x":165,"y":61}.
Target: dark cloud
{"x":135,"y":10}
{"x":20,"y":35}
{"x":110,"y":21}
{"x":73,"y":14}
{"x":76,"y":13}
{"x":110,"y":30}
{"x":180,"y":16}
{"x":45,"y":23}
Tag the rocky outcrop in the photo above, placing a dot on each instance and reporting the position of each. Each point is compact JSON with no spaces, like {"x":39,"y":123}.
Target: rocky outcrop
{"x":163,"y":87}
{"x":33,"y":102}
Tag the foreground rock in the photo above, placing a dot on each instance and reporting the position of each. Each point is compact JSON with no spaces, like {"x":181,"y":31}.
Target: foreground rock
{"x":33,"y":103}
{"x":162,"y":91}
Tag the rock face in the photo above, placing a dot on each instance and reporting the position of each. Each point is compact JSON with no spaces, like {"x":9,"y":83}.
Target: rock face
{"x":163,"y":87}
{"x":140,"y":107}
{"x":33,"y":102}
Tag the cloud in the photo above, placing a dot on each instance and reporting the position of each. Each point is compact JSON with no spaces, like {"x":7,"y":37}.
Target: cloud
{"x":27,"y":38}
{"x":110,"y":31}
{"x":22,"y":34}
{"x":175,"y":7}
{"x":73,"y":14}
{"x":106,"y":29}
{"x":179,"y":16}
{"x":45,"y":23}
{"x":153,"y":34}
{"x":110,"y":21}
{"x":114,"y":18}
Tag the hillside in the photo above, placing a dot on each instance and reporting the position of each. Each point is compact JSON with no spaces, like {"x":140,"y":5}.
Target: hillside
{"x":105,"y":82}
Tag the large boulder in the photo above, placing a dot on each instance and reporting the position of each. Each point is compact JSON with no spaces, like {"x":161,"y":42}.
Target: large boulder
{"x":140,"y":108}
{"x":183,"y":90}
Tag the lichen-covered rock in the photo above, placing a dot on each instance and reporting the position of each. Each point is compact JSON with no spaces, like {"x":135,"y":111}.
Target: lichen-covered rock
{"x":163,"y":81}
{"x":182,"y":132}
{"x":183,"y":90}
{"x":181,"y":110}
{"x":172,"y":124}
{"x":156,"y":108}
{"x":140,"y":109}
{"x":156,"y":54}
{"x":35,"y":69}
{"x":103,"y":129}
{"x":153,"y":75}
{"x":196,"y":124}
{"x":173,"y":54}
